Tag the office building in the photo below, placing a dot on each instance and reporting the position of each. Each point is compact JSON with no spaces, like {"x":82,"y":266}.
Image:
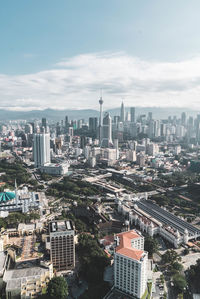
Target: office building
{"x":183,"y":118}
{"x":122,"y":113}
{"x":44,"y":124}
{"x":130,"y":264}
{"x":132,"y":111}
{"x":93,"y":124}
{"x":28,"y":129}
{"x":106,"y":140}
{"x":62,"y":247}
{"x":41,"y":149}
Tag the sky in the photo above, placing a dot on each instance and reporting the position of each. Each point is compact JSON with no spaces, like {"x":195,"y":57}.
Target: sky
{"x":60,"y":54}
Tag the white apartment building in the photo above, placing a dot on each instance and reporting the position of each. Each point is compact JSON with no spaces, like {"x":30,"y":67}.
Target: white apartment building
{"x":130,"y":264}
{"x":41,"y":149}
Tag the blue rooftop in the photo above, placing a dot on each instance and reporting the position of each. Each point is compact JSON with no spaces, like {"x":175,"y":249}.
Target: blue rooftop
{"x":6,"y":196}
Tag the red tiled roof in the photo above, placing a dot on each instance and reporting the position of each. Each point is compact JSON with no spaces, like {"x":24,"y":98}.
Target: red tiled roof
{"x":125,"y":247}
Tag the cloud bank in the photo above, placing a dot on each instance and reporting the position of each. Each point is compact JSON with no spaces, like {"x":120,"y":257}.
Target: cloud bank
{"x":75,"y":83}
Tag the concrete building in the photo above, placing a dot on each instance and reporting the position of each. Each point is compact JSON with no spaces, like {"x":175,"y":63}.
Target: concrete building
{"x":153,"y":220}
{"x":21,"y":200}
{"x":132,"y":111}
{"x":106,"y":140}
{"x":131,"y":155}
{"x":27,"y":283}
{"x":55,"y":169}
{"x":41,"y":149}
{"x":130,"y":264}
{"x":141,"y":159}
{"x":62,"y":247}
{"x":93,"y":124}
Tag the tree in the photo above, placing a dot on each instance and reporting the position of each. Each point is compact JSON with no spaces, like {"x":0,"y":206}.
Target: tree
{"x":194,"y":274}
{"x":179,"y":282}
{"x":170,"y":256}
{"x":150,"y":245}
{"x":177,"y":266}
{"x":57,"y":288}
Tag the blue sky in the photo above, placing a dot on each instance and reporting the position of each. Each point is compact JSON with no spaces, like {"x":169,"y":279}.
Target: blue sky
{"x":44,"y":40}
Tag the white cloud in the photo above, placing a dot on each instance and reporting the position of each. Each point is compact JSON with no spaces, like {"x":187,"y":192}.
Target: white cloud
{"x":75,"y":83}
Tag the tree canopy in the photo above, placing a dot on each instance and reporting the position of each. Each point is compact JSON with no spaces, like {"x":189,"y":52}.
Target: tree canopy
{"x":194,"y":276}
{"x":170,"y":257}
{"x":179,"y":282}
{"x":57,"y":288}
{"x":150,"y":245}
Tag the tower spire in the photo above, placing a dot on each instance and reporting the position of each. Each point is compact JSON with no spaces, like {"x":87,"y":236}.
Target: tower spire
{"x":15,"y":184}
{"x":100,"y":117}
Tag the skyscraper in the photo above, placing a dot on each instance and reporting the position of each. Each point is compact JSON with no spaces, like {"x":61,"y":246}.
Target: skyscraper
{"x":41,"y":149}
{"x":66,"y":124}
{"x":62,"y":247}
{"x":44,"y":122}
{"x":93,"y":123}
{"x":100,"y":119}
{"x":106,"y":140}
{"x":132,"y":111}
{"x":183,"y":119}
{"x":122,"y":113}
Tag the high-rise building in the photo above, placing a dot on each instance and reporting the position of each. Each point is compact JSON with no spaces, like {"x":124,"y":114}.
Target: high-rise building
{"x":150,"y":116}
{"x":41,"y":149}
{"x":66,"y":124}
{"x":132,"y":111}
{"x":44,"y":122}
{"x":122,"y":112}
{"x":93,"y":123}
{"x":28,"y":129}
{"x":183,"y":118}
{"x":106,"y":140}
{"x":130,"y":264}
{"x":62,"y":246}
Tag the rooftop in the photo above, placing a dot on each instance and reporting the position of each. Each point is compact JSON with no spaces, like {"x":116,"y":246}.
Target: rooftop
{"x":59,"y":226}
{"x":125,"y":248}
{"x":16,"y":276}
{"x":6,"y":196}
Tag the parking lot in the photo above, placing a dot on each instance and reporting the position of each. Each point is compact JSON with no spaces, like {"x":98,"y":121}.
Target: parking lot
{"x":158,"y":288}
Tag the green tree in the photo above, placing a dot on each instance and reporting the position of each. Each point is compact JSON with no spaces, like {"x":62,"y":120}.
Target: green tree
{"x":150,"y":245}
{"x":177,"y":267}
{"x":179,"y":282}
{"x":57,"y":288}
{"x":170,"y":256}
{"x":194,"y":275}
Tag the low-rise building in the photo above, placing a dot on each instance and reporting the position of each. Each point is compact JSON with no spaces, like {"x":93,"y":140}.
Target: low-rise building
{"x":29,"y":282}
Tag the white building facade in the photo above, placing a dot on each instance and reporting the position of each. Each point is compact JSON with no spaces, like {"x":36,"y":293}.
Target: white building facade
{"x":130,"y":264}
{"x":41,"y":149}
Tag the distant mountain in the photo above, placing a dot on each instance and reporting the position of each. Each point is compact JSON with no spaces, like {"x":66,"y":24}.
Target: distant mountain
{"x":57,"y":115}
{"x":50,"y":114}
